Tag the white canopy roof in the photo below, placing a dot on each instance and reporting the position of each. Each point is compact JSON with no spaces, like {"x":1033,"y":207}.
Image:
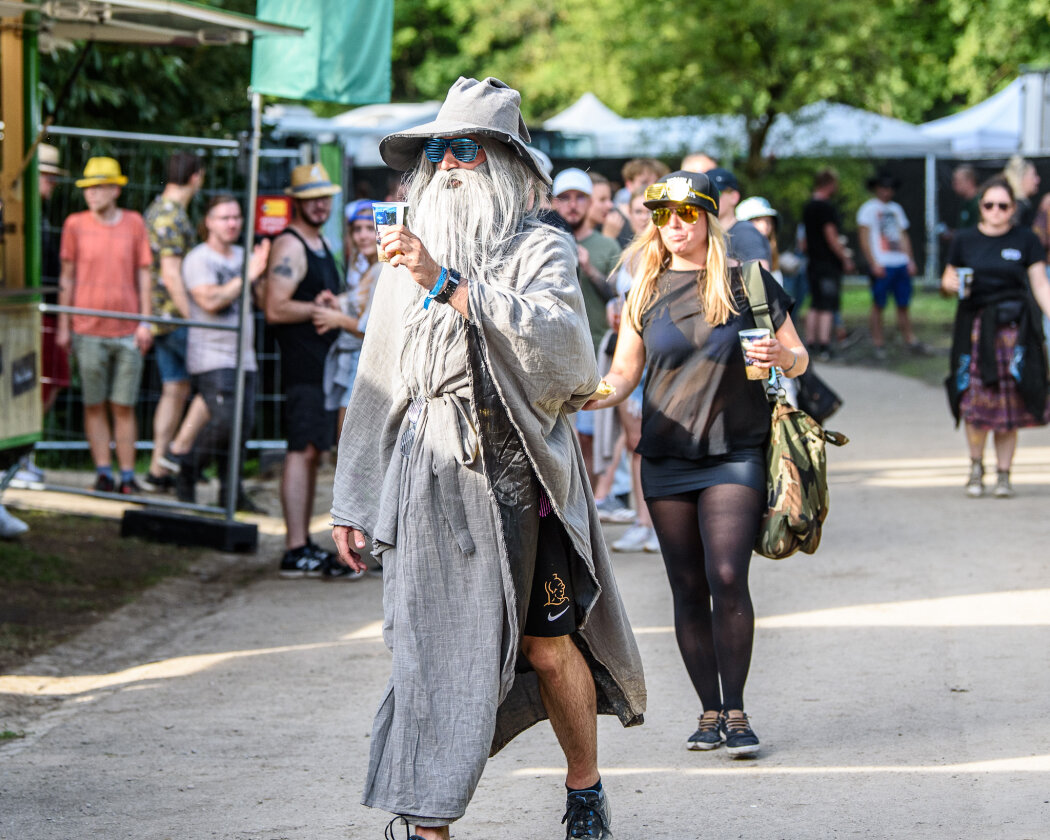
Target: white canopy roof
{"x":816,"y":129}
{"x":992,"y":126}
{"x":359,"y":129}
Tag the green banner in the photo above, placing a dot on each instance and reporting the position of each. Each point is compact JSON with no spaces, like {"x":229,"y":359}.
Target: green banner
{"x":343,"y":56}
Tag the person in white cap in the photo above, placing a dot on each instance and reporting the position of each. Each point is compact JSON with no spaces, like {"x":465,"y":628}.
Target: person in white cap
{"x":458,"y":459}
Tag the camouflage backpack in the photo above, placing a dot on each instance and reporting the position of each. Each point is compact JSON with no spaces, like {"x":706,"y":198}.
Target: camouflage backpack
{"x":797,"y":479}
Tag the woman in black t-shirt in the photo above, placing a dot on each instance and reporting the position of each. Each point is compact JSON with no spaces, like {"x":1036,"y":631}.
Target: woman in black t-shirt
{"x":704,"y":425}
{"x":997,"y":381}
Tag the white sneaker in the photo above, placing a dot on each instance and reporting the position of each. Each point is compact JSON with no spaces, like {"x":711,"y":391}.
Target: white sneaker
{"x":610,"y":510}
{"x":11,"y":526}
{"x":652,"y":545}
{"x":634,"y":539}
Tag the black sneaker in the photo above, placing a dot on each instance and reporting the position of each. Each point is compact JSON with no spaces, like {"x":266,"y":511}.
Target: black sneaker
{"x":335,"y":570}
{"x":741,"y":740}
{"x":301,"y":562}
{"x":104,"y":484}
{"x":130,"y":487}
{"x":587,"y":814}
{"x":709,"y":734}
{"x":158,"y":483}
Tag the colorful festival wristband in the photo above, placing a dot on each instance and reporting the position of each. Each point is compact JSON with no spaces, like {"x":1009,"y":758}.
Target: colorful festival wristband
{"x":438,"y":286}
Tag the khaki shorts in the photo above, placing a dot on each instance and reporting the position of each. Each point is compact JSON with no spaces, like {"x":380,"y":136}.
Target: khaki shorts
{"x":110,"y":369}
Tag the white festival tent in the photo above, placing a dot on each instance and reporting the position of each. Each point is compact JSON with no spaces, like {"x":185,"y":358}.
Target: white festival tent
{"x":993,"y":126}
{"x":818,"y":129}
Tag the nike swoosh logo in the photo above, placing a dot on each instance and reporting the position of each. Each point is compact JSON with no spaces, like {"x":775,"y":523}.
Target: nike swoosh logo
{"x":559,"y":615}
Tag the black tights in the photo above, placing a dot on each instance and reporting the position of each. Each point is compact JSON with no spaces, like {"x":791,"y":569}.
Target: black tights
{"x":706,"y":538}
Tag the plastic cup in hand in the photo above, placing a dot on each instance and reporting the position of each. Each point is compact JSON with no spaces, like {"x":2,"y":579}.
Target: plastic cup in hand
{"x":750,"y":366}
{"x":965,"y":276}
{"x":386,"y":213}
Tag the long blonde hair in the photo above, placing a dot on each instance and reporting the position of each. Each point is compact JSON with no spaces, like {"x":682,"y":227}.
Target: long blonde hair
{"x":647,"y":257}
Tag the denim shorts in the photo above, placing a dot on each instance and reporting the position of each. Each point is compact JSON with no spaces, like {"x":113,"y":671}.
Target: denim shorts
{"x":170,"y":349}
{"x":896,"y":280}
{"x":585,"y":422}
{"x":110,"y":369}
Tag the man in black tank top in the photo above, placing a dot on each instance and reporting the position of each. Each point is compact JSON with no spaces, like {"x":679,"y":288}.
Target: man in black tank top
{"x":301,"y":267}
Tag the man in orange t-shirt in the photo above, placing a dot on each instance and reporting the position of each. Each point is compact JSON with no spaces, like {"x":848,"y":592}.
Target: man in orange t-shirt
{"x":106,"y":257}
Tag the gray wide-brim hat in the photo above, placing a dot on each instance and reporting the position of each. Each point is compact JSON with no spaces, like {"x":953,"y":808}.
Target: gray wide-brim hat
{"x":488,"y":108}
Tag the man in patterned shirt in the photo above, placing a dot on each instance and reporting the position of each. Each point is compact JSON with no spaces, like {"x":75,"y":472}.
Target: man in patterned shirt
{"x":171,"y":236}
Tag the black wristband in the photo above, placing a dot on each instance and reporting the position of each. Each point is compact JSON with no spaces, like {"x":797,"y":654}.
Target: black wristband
{"x":449,"y":289}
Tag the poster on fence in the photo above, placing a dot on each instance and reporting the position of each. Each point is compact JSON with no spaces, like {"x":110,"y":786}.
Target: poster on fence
{"x":272,"y":214}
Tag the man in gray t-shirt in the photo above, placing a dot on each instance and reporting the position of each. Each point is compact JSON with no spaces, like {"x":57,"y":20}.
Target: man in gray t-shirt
{"x":744,"y":240}
{"x":212,"y":274}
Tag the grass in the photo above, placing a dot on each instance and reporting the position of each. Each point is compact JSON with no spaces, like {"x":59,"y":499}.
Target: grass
{"x":66,"y":573}
{"x":932,"y":316}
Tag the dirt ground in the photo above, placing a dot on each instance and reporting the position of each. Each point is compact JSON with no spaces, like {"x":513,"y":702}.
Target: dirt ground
{"x":898,"y":683}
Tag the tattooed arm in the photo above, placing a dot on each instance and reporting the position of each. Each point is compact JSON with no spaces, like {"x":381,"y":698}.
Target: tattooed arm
{"x":284,"y":271}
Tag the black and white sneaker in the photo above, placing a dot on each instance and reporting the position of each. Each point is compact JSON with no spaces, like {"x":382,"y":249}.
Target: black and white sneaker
{"x":170,"y":461}
{"x":587,"y":814}
{"x":741,"y":740}
{"x":709,"y":733}
{"x":335,"y":570}
{"x":301,"y":562}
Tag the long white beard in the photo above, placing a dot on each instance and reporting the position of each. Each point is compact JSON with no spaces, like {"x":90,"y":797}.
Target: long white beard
{"x":467,"y":219}
{"x":456,"y":215}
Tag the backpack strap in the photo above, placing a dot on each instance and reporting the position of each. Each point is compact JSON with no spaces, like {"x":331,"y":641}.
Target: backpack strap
{"x":756,"y":295}
{"x":759,"y":303}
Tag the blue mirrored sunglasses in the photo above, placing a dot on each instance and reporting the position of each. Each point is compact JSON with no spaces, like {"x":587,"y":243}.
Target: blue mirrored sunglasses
{"x":463,"y":149}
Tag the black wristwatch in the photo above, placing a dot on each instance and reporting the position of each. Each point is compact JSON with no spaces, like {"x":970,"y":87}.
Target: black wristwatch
{"x":449,"y":289}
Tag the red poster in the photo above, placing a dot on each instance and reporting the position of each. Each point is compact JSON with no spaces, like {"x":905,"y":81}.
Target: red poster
{"x":272,"y":214}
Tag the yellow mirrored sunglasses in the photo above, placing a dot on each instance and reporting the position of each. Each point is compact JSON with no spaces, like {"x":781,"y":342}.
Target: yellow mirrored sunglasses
{"x":686,"y":212}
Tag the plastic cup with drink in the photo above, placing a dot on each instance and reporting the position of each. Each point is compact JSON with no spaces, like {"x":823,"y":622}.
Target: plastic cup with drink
{"x":965,"y":276}
{"x":385,"y":214}
{"x":750,"y":364}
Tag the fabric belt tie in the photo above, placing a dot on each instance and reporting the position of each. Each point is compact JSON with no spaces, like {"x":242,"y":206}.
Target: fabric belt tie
{"x":445,"y":422}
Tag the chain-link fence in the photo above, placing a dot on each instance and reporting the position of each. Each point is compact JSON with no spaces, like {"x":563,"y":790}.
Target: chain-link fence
{"x":143,"y":159}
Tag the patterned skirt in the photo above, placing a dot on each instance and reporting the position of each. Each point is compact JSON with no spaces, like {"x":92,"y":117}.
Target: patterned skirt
{"x":999,"y":407}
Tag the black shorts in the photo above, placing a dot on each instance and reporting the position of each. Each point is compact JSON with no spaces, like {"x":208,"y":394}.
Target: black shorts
{"x":552,"y":602}
{"x":305,"y":418}
{"x":825,"y":287}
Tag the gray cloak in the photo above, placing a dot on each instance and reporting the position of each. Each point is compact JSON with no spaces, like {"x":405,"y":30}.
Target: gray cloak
{"x":449,"y":427}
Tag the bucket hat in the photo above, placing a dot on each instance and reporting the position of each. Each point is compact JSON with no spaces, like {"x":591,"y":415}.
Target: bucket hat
{"x":755,"y":207}
{"x":488,"y":108}
{"x":100,"y":171}
{"x":310,"y":180}
{"x":883,"y":179}
{"x":683,"y":187}
{"x":48,"y":160}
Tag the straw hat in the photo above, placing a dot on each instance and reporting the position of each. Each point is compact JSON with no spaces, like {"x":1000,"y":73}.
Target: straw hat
{"x":310,"y":180}
{"x":101,"y":171}
{"x":488,"y":108}
{"x":48,"y":160}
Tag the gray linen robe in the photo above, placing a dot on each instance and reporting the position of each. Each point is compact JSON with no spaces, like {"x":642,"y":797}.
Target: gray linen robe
{"x":454,"y":592}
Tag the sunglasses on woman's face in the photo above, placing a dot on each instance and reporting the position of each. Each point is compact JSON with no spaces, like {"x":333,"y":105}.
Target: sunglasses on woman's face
{"x":463,"y":149}
{"x":1002,"y":205}
{"x":686,"y":212}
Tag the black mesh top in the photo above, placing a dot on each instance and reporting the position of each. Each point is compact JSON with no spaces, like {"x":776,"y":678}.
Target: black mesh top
{"x":698,"y":401}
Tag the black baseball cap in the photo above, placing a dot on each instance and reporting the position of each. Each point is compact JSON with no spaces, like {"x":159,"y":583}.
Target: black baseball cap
{"x":723,"y":179}
{"x":683,"y":187}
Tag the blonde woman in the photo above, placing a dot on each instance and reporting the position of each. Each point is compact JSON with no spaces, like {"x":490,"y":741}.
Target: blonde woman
{"x":704,"y":426}
{"x":1023,"y":179}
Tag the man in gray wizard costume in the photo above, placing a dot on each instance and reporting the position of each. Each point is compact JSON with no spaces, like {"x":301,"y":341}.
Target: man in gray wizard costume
{"x":457,"y":457}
